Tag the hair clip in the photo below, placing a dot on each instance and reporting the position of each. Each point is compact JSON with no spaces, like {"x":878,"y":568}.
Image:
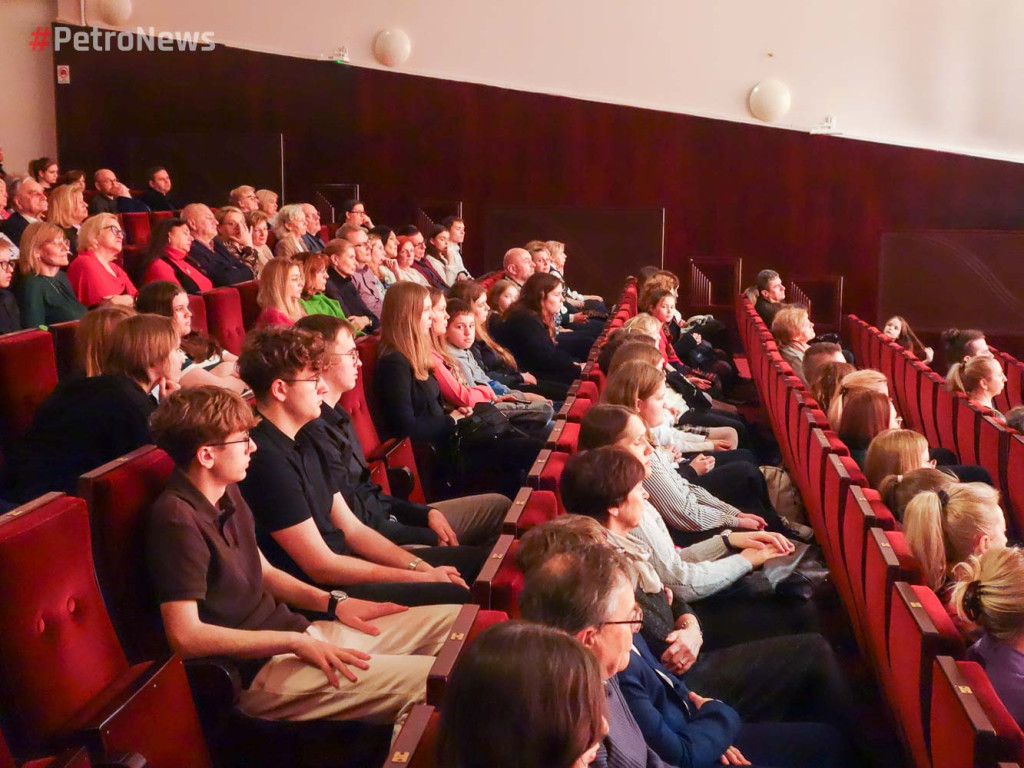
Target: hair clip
{"x":972,"y":600}
{"x":943,"y":497}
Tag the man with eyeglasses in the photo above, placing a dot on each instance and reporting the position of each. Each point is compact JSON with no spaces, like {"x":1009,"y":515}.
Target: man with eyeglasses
{"x":355,"y":214}
{"x":244,"y":197}
{"x":304,"y":525}
{"x":112,"y":196}
{"x":10,"y":317}
{"x":219,"y":595}
{"x":30,"y":203}
{"x":369,"y":288}
{"x":312,"y":239}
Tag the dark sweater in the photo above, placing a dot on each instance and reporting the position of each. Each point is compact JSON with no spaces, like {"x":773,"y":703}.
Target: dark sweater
{"x":408,"y":406}
{"x":10,"y":317}
{"x":221,"y":267}
{"x":526,"y":337}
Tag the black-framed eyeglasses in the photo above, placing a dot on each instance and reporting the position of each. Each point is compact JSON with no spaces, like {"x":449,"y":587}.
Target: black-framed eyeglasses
{"x":246,"y":439}
{"x":637,"y":621}
{"x":8,"y":264}
{"x":315,"y":379}
{"x":115,"y":229}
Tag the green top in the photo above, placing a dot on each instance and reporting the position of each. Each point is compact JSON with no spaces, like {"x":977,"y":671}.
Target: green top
{"x":47,"y":300}
{"x":322,"y":304}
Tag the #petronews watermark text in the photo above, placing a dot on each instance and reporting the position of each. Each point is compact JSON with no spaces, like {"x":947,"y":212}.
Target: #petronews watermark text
{"x":107,"y":40}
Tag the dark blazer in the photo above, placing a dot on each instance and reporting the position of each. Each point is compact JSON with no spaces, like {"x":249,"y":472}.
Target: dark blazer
{"x":526,"y":337}
{"x":220,"y":266}
{"x":671,"y":725}
{"x":313,"y":243}
{"x":157,"y":201}
{"x":624,"y":746}
{"x":103,"y":204}
{"x":344,"y":291}
{"x":14,"y":227}
{"x":10,"y":317}
{"x":408,"y":406}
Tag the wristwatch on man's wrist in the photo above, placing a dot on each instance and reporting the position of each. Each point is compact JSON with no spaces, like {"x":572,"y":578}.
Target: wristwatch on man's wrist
{"x":725,"y":538}
{"x":336,"y":596}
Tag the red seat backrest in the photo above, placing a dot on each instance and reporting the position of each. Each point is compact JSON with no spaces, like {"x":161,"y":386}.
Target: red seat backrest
{"x":224,"y":317}
{"x":863,"y":510}
{"x":28,"y":374}
{"x":355,"y":402}
{"x":197,"y":307}
{"x":840,"y":473}
{"x":58,"y":649}
{"x":247,"y":293}
{"x":65,"y":348}
{"x":118,"y":495}
{"x":136,"y":228}
{"x":539,"y":508}
{"x":968,"y":424}
{"x":1014,"y":476}
{"x":930,"y":384}
{"x":945,"y":418}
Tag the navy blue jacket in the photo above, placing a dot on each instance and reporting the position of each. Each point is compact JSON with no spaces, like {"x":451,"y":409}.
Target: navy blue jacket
{"x":220,"y":266}
{"x":672,"y":726}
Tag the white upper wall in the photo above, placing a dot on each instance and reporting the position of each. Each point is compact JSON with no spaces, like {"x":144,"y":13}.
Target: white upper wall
{"x":943,"y":74}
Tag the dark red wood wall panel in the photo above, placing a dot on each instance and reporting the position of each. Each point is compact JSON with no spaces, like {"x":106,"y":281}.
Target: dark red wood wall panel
{"x":804,"y":204}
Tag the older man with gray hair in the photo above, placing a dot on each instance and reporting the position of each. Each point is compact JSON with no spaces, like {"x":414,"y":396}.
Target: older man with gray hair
{"x":222,"y":267}
{"x":244,"y":198}
{"x":29,"y":202}
{"x":518,"y":265}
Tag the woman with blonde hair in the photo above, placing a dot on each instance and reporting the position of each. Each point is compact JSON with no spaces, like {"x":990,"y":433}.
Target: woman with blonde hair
{"x":895,"y":452}
{"x":990,"y":595}
{"x":68,"y":210}
{"x":793,"y":330}
{"x":95,"y":274}
{"x":266,"y":199}
{"x":897,"y":490}
{"x":44,"y":293}
{"x":979,"y":378}
{"x":92,"y":337}
{"x":867,"y":380}
{"x":945,"y":528}
{"x":280,"y":293}
{"x":289,"y":227}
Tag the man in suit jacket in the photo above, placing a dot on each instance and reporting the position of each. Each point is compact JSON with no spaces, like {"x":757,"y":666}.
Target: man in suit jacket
{"x":30,"y":203}
{"x":159,"y":186}
{"x":216,"y":263}
{"x":112,"y":196}
{"x":312,"y":239}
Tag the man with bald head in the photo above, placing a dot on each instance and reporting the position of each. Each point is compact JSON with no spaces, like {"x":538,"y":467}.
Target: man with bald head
{"x":518,"y":265}
{"x":112,"y":196}
{"x":212,"y":260}
{"x":312,"y":239}
{"x":29,"y":202}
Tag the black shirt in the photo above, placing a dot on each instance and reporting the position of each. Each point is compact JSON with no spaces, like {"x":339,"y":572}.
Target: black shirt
{"x":288,"y":483}
{"x":10,"y":317}
{"x":344,"y":291}
{"x":157,"y":201}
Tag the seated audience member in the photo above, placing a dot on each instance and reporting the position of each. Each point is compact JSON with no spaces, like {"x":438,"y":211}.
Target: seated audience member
{"x":518,"y":266}
{"x":534,"y":417}
{"x":456,"y":532}
{"x":68,"y":210}
{"x":259,"y":229}
{"x":819,"y":354}
{"x":342,"y":287}
{"x":405,"y":259}
{"x":73,"y":178}
{"x":206,"y":361}
{"x":4,"y":213}
{"x":898,"y":451}
{"x":502,"y":295}
{"x":979,"y":378}
{"x":693,"y":385}
{"x":771,"y":294}
{"x":378,"y":261}
{"x":897,"y":490}
{"x":437,"y":257}
{"x":698,"y":353}
{"x":367,"y":285}
{"x":304,"y":526}
{"x":945,"y":528}
{"x":45,"y":171}
{"x":588,"y":592}
{"x":158,"y":186}
{"x":234,"y":238}
{"x":10,"y":317}
{"x":898,"y":329}
{"x":289,"y":228}
{"x":420,"y":263}
{"x":827,"y":381}
{"x":29,"y":204}
{"x":95,"y":274}
{"x":244,"y":197}
{"x":866,"y":415}
{"x":527,"y":329}
{"x":355,"y":213}
{"x":1015,"y":418}
{"x":962,"y":345}
{"x":44,"y":293}
{"x":112,"y":196}
{"x":575,"y":299}
{"x":989,"y":593}
{"x":280,"y":293}
{"x":314,"y":274}
{"x":793,"y":330}
{"x":221,"y":267}
{"x":689,"y":510}
{"x":167,"y":258}
{"x":92,"y":337}
{"x":866,"y":380}
{"x":87,"y":422}
{"x":266,"y":200}
{"x":311,"y":241}
{"x":456,"y":237}
{"x":475,"y":729}
{"x":219,"y":595}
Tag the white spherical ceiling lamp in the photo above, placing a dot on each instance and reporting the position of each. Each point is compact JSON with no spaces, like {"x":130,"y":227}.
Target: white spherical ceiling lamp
{"x":392,"y":47}
{"x":770,"y":100}
{"x":115,"y":12}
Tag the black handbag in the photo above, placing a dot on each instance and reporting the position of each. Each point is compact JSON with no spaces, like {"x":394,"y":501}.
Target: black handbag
{"x":485,"y":425}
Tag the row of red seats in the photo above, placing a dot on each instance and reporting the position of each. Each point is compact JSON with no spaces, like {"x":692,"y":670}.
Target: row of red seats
{"x":947,"y":711}
{"x":948,"y":419}
{"x":499,"y":583}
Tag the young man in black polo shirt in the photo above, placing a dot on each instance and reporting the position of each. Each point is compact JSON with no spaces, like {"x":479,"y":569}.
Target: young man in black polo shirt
{"x":303,"y":523}
{"x":220,"y":597}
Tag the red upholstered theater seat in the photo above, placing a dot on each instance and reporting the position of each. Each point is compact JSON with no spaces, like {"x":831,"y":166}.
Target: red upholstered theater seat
{"x":969,"y":724}
{"x":968,"y":424}
{"x":530,"y":508}
{"x":863,"y":510}
{"x":64,"y":347}
{"x":840,"y":473}
{"x":224,"y":317}
{"x":72,"y":758}
{"x":565,"y":437}
{"x":546,"y":473}
{"x":155,"y":217}
{"x":247,"y":292}
{"x":63,"y":674}
{"x":28,"y":374}
{"x":470,"y":622}
{"x":499,"y":583}
{"x":416,"y":745}
{"x":919,"y":630}
{"x":136,"y":228}
{"x":1014,"y":476}
{"x":197,"y":307}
